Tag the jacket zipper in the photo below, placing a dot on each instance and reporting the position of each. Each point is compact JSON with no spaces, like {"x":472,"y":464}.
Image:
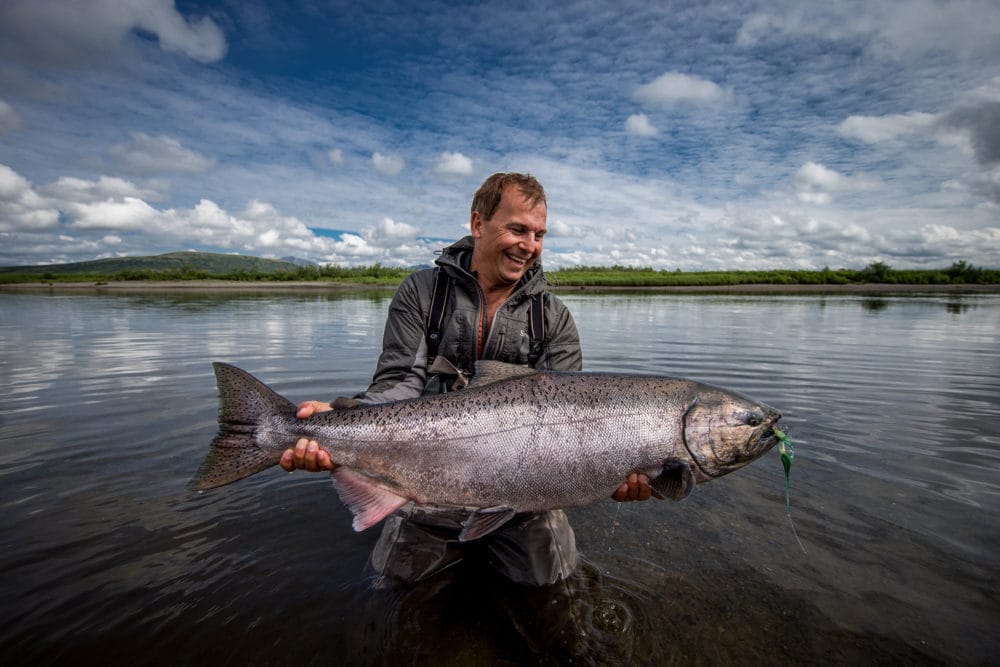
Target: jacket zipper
{"x":483,"y":316}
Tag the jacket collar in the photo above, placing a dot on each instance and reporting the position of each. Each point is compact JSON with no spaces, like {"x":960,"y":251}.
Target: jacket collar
{"x":458,"y":255}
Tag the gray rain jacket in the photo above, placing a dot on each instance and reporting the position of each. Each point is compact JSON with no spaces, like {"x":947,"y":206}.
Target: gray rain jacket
{"x":402,"y":370}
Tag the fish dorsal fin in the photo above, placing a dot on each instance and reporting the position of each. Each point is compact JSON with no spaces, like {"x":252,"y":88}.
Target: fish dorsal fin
{"x":488,"y":372}
{"x":368,"y":502}
{"x":484,"y":521}
{"x":675,"y":481}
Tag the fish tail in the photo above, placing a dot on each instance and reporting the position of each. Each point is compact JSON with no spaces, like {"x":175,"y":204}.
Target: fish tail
{"x":244,"y":403}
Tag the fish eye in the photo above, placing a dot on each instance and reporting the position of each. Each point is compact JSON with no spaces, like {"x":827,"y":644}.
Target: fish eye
{"x":754,"y":420}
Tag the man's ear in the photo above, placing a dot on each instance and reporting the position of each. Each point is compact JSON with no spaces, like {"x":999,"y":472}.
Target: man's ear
{"x":476,"y":224}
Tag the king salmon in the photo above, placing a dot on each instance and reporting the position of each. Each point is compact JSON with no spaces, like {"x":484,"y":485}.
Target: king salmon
{"x":515,"y":440}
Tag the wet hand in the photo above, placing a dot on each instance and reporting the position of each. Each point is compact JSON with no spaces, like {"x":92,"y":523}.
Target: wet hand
{"x":307,"y":455}
{"x":309,"y":408}
{"x":636,"y":487}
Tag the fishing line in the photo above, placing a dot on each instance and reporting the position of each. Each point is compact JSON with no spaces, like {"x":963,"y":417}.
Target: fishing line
{"x":787,"y":456}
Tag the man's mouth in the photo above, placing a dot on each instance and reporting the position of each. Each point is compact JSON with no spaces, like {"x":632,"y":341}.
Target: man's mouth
{"x":519,"y":261}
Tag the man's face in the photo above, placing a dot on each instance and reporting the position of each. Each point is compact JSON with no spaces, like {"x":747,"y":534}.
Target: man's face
{"x":510,"y":242}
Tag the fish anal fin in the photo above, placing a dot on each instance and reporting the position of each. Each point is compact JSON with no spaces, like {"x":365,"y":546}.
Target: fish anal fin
{"x":368,"y":502}
{"x":484,"y":521}
{"x":489,"y":371}
{"x":675,"y":481}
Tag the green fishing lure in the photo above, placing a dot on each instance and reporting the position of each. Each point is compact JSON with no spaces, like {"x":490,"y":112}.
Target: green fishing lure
{"x":787,"y":456}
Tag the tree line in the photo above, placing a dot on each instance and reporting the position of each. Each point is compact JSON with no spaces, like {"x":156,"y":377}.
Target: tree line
{"x":959,"y":273}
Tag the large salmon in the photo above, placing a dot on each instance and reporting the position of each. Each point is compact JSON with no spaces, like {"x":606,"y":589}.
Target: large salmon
{"x":515,"y":440}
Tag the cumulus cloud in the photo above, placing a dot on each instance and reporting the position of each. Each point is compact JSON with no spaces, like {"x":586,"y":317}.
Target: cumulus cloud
{"x":336,"y":156}
{"x":127,"y":213}
{"x":390,"y":234}
{"x":973,"y":128}
{"x":70,"y":189}
{"x":390,"y":165}
{"x":54,"y":32}
{"x":76,"y":219}
{"x":674,"y":88}
{"x":875,"y":129}
{"x":453,"y":164}
{"x":982,"y":124}
{"x":816,"y":183}
{"x":21,"y":207}
{"x":639,"y":125}
{"x":147,"y":155}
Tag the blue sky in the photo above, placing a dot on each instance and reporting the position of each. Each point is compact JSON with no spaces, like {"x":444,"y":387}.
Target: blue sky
{"x":702,"y":135}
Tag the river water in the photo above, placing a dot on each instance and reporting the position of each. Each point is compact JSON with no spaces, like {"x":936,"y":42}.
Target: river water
{"x":108,"y":403}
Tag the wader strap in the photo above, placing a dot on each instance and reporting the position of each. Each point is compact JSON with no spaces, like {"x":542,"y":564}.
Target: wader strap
{"x":536,"y":322}
{"x":435,"y":319}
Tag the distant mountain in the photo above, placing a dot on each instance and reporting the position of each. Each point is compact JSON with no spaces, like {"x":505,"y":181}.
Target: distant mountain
{"x":215,"y":263}
{"x":298,"y":261}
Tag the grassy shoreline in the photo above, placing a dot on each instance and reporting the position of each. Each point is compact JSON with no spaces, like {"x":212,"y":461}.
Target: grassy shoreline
{"x":220,"y":273}
{"x":124,"y":286}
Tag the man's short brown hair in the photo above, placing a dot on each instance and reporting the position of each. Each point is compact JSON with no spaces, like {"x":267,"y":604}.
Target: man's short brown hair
{"x":487,"y":197}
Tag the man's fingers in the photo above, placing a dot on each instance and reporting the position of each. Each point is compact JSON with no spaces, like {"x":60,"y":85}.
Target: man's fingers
{"x":306,"y":455}
{"x":312,"y":449}
{"x":287,"y":461}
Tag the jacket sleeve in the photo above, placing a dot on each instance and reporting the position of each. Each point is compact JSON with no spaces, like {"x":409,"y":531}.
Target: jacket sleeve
{"x":402,"y":367}
{"x":563,"y":350}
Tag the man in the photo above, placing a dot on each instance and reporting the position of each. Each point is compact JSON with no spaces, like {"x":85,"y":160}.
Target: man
{"x":490,"y":284}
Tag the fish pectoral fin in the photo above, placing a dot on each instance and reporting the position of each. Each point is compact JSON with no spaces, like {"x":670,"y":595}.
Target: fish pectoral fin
{"x":368,"y":502}
{"x":675,"y":481}
{"x":484,"y":521}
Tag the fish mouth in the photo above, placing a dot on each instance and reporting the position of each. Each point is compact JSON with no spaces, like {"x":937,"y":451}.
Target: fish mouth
{"x":764,"y":437}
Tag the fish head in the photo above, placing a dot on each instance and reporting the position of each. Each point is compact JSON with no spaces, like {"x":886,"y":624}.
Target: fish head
{"x":724,"y":431}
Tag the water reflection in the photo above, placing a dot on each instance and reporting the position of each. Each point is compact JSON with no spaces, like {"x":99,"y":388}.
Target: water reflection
{"x":108,"y":403}
{"x":874,"y":305}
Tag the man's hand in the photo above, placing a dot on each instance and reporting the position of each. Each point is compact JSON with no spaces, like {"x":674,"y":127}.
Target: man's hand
{"x":636,"y":487}
{"x":306,"y":455}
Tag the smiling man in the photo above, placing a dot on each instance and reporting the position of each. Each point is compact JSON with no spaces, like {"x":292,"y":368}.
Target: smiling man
{"x":487,"y":298}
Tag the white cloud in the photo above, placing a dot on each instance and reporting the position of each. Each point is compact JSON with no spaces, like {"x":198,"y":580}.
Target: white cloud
{"x":674,"y":88}
{"x":639,"y":125}
{"x":84,"y":31}
{"x":21,"y":207}
{"x":146,"y":155}
{"x":389,"y":233}
{"x":12,"y":184}
{"x":875,"y":129}
{"x":199,"y":39}
{"x":453,"y":164}
{"x":390,"y":165}
{"x":559,"y":227}
{"x":127,"y":213}
{"x":336,"y":156}
{"x":78,"y":190}
{"x":78,"y":219}
{"x":816,"y":183}
{"x":904,"y":29}
{"x":9,"y":118}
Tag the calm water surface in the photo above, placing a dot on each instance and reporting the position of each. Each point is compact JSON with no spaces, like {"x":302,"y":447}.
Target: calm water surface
{"x":108,"y":403}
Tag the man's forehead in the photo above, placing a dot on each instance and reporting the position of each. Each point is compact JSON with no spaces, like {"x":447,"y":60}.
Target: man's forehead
{"x":512,"y":194}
